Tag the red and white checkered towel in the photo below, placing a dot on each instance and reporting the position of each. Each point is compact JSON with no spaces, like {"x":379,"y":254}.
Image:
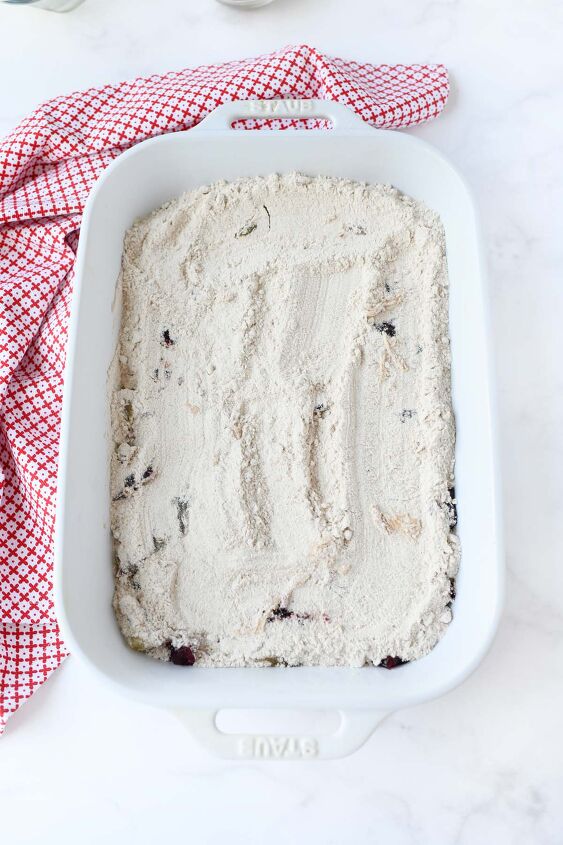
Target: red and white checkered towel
{"x":47,"y":168}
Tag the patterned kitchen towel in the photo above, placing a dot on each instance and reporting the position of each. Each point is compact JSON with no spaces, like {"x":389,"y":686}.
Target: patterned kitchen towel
{"x":48,"y":165}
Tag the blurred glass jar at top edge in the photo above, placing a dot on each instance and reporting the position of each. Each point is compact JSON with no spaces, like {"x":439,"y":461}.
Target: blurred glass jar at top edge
{"x":48,"y":5}
{"x":245,"y":4}
{"x":67,"y":5}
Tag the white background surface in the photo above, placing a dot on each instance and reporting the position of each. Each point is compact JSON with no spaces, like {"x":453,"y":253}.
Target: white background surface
{"x":484,"y":764}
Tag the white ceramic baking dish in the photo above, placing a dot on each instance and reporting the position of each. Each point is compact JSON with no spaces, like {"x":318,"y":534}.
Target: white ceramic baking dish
{"x":137,"y":182}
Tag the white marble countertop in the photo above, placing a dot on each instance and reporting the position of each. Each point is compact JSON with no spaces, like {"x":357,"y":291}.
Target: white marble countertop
{"x":483,"y":764}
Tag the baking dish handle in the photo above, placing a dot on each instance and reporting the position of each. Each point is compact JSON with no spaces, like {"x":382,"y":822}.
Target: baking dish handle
{"x":355,"y":727}
{"x":223,"y":116}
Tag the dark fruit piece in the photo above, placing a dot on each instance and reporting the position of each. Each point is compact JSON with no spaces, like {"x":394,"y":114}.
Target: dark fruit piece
{"x":452,"y":508}
{"x":302,"y":617}
{"x":147,"y":473}
{"x":320,"y":411}
{"x":130,"y":481}
{"x":279,"y":613}
{"x":391,"y":662}
{"x":386,"y":328}
{"x":166,"y":339}
{"x":407,"y":415}
{"x":182,"y":656}
{"x":452,"y":589}
{"x":132,"y":571}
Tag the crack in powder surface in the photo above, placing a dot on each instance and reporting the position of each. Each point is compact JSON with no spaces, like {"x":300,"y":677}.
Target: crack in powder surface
{"x":282,"y":470}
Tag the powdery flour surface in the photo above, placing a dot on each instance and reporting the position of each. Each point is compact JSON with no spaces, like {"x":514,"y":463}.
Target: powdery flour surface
{"x":283,"y":465}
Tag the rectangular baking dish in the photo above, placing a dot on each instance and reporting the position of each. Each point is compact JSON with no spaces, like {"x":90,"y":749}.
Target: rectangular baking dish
{"x":139,"y":181}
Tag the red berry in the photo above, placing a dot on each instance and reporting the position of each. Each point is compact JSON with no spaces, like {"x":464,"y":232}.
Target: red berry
{"x":182,"y":656}
{"x":390,"y":662}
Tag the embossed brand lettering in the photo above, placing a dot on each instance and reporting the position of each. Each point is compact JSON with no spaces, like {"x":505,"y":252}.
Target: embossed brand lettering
{"x":277,"y":747}
{"x":280,"y":108}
